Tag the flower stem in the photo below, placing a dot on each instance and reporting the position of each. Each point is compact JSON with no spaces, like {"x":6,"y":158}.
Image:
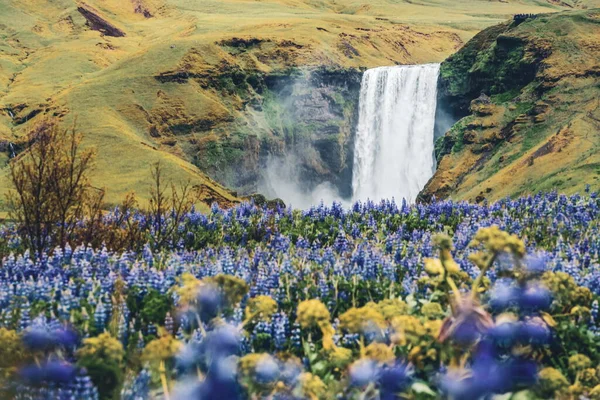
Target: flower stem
{"x":163,"y":379}
{"x":477,"y":281}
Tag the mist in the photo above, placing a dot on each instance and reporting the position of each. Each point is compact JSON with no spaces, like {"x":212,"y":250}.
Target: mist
{"x":282,"y":178}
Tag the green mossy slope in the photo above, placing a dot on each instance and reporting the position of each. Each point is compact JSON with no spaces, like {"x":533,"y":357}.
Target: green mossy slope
{"x":528,"y":98}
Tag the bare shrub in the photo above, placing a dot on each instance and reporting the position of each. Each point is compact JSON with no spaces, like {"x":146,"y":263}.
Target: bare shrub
{"x":51,"y":190}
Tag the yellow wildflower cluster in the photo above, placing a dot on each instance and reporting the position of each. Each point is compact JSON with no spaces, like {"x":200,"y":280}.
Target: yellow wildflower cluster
{"x":12,"y":352}
{"x":312,"y":387}
{"x":379,"y":352}
{"x":407,"y":329}
{"x":495,"y":241}
{"x":260,"y":307}
{"x":188,"y":288}
{"x":312,"y":313}
{"x":588,"y":377}
{"x":390,"y":308}
{"x":421,"y":355}
{"x":233,"y":288}
{"x":566,"y":292}
{"x":339,"y":357}
{"x":433,"y":327}
{"x":579,"y":362}
{"x":359,"y":320}
{"x":162,"y":349}
{"x":595,"y":393}
{"x":432,"y":310}
{"x":103,"y":347}
{"x":551,"y":381}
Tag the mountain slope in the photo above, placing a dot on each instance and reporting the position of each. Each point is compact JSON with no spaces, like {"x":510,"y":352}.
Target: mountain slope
{"x":539,"y":129}
{"x":172,"y":80}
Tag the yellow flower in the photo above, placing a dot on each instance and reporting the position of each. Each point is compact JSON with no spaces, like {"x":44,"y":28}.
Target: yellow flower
{"x":312,"y":313}
{"x":579,"y":362}
{"x":595,"y":393}
{"x":451,"y":266}
{"x":233,"y":288}
{"x":551,"y":381}
{"x":12,"y":352}
{"x":311,"y":386}
{"x":576,"y":389}
{"x":103,"y":346}
{"x":581,"y":312}
{"x":433,"y":327}
{"x":379,"y":352}
{"x":433,"y":266}
{"x":261,"y":307}
{"x":588,"y":377}
{"x":390,"y":308}
{"x":407,"y":328}
{"x":495,"y":240}
{"x":162,"y":349}
{"x":188,"y":289}
{"x":565,"y":291}
{"x":432,"y":310}
{"x":359,"y":320}
{"x":443,"y":241}
{"x":340,"y":357}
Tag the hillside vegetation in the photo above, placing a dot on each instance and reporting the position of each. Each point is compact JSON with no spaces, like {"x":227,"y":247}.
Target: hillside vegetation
{"x":538,"y":129}
{"x":180,"y":81}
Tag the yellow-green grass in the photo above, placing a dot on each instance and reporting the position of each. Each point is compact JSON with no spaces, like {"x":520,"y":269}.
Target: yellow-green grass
{"x":50,"y":61}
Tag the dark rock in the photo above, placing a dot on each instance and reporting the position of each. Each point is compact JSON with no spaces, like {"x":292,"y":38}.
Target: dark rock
{"x":97,"y":23}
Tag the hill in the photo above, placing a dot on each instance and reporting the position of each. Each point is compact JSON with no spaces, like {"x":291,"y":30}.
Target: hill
{"x":535,"y":127}
{"x":200,"y":85}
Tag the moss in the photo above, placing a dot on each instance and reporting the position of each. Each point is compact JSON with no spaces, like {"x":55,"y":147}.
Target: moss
{"x":506,"y":96}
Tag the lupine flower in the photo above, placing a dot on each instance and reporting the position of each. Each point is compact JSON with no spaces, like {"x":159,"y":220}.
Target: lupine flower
{"x":468,"y":322}
{"x":363,"y":372}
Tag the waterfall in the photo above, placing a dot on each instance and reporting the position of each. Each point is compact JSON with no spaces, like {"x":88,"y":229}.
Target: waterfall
{"x":393,"y":151}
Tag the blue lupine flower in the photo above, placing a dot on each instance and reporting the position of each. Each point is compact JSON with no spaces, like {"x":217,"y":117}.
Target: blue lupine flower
{"x":535,"y":298}
{"x":394,"y":379}
{"x":267,"y":370}
{"x":363,"y":372}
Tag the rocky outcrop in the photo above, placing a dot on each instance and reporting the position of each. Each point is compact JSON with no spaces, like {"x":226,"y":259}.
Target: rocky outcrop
{"x":307,"y":115}
{"x":525,"y":97}
{"x":97,"y":22}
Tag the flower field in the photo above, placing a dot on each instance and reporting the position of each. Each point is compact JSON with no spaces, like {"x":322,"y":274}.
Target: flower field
{"x":380,"y":301}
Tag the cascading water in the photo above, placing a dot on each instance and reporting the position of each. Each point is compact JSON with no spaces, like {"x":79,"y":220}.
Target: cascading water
{"x":393,"y":152}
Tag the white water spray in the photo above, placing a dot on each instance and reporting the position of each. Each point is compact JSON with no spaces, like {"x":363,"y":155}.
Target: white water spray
{"x":393,"y":151}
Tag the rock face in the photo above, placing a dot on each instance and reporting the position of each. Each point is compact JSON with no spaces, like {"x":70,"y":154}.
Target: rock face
{"x":307,"y":116}
{"x":98,"y":23}
{"x":525,"y":98}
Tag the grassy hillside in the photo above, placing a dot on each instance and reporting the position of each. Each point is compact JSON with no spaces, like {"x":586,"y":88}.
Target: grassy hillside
{"x":539,"y":128}
{"x":122,"y":67}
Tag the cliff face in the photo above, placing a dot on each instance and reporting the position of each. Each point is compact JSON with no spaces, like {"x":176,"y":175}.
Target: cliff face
{"x":300,"y":116}
{"x":526,"y":95}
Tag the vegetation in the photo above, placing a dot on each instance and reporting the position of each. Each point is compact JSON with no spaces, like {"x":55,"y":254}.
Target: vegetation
{"x":375,"y":300}
{"x":537,"y":130}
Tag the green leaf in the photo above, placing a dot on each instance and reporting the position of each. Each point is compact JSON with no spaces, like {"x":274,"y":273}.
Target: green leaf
{"x":524,"y":395}
{"x":319,"y":368}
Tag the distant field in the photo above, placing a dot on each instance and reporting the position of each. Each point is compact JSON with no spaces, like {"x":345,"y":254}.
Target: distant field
{"x":52,"y":63}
